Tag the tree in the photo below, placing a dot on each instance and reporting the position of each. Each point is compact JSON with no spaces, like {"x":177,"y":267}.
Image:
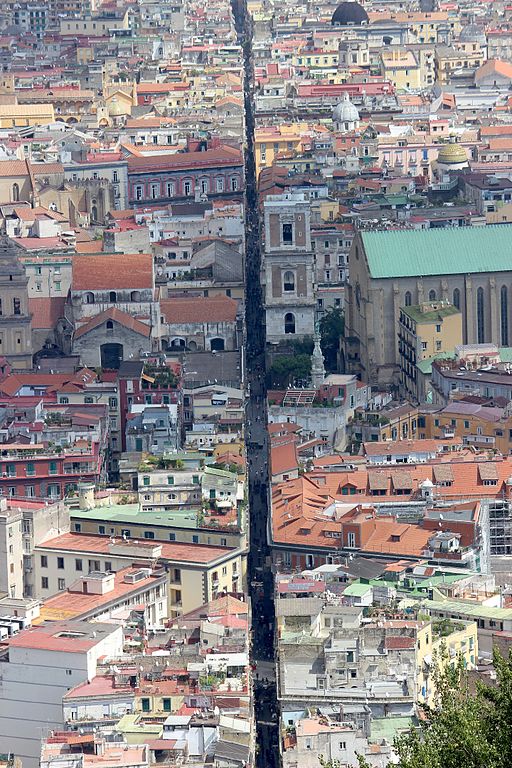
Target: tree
{"x":287,"y":369}
{"x":462,"y":727}
{"x":332,"y":328}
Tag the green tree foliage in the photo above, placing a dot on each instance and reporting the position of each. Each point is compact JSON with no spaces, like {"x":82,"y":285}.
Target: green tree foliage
{"x":463,"y":727}
{"x":332,"y":328}
{"x":287,"y":369}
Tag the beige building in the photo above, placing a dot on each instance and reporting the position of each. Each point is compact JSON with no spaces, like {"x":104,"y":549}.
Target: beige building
{"x":469,"y":267}
{"x":424,"y":331}
{"x":196,"y":573}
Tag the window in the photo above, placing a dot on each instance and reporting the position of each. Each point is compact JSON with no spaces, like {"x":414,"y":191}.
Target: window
{"x":234,"y":183}
{"x":187,"y":188}
{"x":480,"y":318}
{"x":57,"y":285}
{"x":432,"y":295}
{"x":78,"y":564}
{"x":504,"y":315}
{"x":110,"y":325}
{"x":101,"y":530}
{"x":108,"y":566}
{"x":94,"y":565}
{"x":31,"y":470}
{"x":289,"y":322}
{"x":138,"y":193}
{"x":60,"y":563}
{"x":61,"y":584}
{"x":456,"y":298}
{"x":288,"y":281}
{"x":169,"y":188}
{"x":195,"y":539}
{"x":145,"y":480}
{"x":44,"y":561}
{"x":351,"y":539}
{"x":88,"y":399}
{"x":53,"y":468}
{"x":89,"y":298}
{"x":125,"y":533}
{"x":172,"y":537}
{"x":112,"y":296}
{"x":170,"y":480}
{"x":408,"y":299}
{"x":438,"y":329}
{"x":149,"y":535}
{"x":145,"y":705}
{"x":219,"y":184}
{"x":44,"y":582}
{"x":155,"y":191}
{"x":166,"y":705}
{"x":287,"y":233}
{"x":16,"y":306}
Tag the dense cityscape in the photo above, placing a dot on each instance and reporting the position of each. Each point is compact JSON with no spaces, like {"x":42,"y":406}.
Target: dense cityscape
{"x":255,"y":384}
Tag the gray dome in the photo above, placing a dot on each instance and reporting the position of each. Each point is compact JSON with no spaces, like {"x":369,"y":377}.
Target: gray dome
{"x":349,"y":14}
{"x":345,"y":111}
{"x":472,"y":33}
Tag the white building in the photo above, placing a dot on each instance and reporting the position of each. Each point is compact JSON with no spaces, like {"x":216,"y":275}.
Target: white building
{"x":40,"y":665}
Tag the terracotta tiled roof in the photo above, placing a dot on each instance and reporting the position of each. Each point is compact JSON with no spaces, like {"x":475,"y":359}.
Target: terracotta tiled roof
{"x":118,"y":316}
{"x":214,"y":309}
{"x":175,"y":551}
{"x":112,"y":271}
{"x":215,"y":158}
{"x":46,"y":311}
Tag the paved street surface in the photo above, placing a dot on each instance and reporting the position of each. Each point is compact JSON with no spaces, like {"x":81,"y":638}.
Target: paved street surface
{"x":257,"y":444}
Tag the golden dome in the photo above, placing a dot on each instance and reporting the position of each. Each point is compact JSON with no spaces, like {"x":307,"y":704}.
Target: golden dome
{"x":452,"y":154}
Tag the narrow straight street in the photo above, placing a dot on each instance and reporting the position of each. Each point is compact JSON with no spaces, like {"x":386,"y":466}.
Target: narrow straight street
{"x":257,"y":444}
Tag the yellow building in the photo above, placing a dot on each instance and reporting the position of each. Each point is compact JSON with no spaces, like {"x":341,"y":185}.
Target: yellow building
{"x":24,"y":115}
{"x":443,"y":642}
{"x":401,"y":67}
{"x":273,"y":141}
{"x":476,"y":424}
{"x":424,"y":331}
{"x":452,"y":59}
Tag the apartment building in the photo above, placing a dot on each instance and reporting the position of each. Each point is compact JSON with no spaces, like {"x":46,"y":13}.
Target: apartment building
{"x":196,"y":573}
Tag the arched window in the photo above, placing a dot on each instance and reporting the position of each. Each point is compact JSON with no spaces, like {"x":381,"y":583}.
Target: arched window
{"x":432,"y":295}
{"x":15,"y":193}
{"x":110,"y":325}
{"x":234,"y":183}
{"x":288,"y":281}
{"x":408,"y":299}
{"x":289,"y":322}
{"x":89,"y":298}
{"x":135,"y":296}
{"x":94,"y":213}
{"x":456,"y":298}
{"x":504,"y":315}
{"x":112,"y":296}
{"x":217,"y":345}
{"x":177,"y":343}
{"x":480,"y":318}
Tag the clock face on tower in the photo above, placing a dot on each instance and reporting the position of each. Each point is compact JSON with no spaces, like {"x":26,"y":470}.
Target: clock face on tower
{"x":358,"y":295}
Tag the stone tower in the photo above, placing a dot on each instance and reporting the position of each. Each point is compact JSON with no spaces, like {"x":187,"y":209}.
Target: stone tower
{"x":15,"y":318}
{"x":288,"y":268}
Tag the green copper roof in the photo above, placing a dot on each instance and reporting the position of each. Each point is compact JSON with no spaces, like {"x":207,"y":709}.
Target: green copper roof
{"x":450,"y":251}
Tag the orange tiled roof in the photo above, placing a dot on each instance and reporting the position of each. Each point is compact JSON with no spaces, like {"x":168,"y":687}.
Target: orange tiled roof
{"x":118,"y":316}
{"x":210,"y":309}
{"x":112,"y":271}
